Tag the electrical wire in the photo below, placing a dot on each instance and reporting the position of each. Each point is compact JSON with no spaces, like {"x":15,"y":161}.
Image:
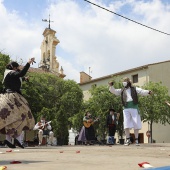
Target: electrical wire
{"x":126,"y":18}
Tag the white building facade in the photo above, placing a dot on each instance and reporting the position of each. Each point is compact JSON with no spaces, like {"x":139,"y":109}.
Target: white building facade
{"x":156,"y":72}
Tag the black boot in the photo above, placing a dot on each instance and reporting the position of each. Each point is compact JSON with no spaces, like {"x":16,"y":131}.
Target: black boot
{"x":10,"y":145}
{"x":16,"y":142}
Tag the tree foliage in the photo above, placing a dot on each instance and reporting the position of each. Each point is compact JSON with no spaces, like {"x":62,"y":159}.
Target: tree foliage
{"x":56,"y":99}
{"x":98,"y":105}
{"x":4,"y":60}
{"x":53,"y":97}
{"x":153,"y":108}
{"x":62,"y":102}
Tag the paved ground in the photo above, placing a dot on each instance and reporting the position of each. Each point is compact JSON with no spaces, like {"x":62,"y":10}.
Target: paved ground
{"x":117,"y":157}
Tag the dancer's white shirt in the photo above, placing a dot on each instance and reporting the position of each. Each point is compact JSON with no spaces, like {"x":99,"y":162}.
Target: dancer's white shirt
{"x":140,"y":91}
{"x":131,"y":116}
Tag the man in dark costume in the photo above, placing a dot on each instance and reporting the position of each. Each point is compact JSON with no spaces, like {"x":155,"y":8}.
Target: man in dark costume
{"x":112,"y":121}
{"x":15,"y":114}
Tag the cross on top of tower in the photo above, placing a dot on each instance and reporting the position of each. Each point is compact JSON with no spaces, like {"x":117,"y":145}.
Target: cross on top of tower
{"x":45,"y":20}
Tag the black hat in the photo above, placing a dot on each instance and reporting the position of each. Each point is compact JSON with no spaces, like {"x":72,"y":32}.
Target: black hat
{"x":11,"y":65}
{"x":14,"y":64}
{"x":111,"y":110}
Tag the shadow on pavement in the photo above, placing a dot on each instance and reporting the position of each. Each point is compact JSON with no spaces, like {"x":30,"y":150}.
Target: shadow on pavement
{"x":22,"y":162}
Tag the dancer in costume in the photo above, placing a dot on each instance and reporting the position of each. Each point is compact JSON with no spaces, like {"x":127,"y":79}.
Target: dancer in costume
{"x":129,"y":98}
{"x":15,"y":114}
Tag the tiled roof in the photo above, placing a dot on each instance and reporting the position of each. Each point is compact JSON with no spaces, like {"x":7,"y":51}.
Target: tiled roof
{"x":39,"y":70}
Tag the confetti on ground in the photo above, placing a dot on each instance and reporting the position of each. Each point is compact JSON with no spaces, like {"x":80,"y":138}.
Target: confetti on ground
{"x":145,"y":165}
{"x":15,"y":162}
{"x":9,"y":151}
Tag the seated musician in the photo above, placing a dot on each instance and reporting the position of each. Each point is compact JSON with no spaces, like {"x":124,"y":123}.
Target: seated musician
{"x":44,"y":128}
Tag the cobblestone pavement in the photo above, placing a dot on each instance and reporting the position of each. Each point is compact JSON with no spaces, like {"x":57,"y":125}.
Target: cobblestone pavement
{"x":96,"y":157}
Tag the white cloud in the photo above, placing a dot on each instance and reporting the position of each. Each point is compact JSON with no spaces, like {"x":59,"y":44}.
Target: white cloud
{"x":19,"y":39}
{"x":92,"y":37}
{"x":68,"y":68}
{"x":109,"y":44}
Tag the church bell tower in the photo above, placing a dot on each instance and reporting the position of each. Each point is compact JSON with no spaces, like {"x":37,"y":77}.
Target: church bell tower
{"x":49,"y":61}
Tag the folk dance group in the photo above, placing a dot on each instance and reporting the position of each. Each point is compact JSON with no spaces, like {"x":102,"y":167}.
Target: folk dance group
{"x":16,"y":116}
{"x":131,"y":116}
{"x":15,"y":113}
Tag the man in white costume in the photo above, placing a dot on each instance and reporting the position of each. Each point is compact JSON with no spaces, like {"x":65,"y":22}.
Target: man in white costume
{"x":129,"y":98}
{"x":44,"y":128}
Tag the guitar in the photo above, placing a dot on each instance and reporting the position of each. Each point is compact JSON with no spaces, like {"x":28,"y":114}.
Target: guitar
{"x":90,"y":122}
{"x":43,"y":126}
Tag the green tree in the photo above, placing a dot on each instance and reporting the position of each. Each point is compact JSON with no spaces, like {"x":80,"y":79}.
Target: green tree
{"x":55,"y":98}
{"x":4,"y":60}
{"x":51,"y":96}
{"x":70,"y":104}
{"x":153,"y":108}
{"x":76,"y":119}
{"x":100,"y":102}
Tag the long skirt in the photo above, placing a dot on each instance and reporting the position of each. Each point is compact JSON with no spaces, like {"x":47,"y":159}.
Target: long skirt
{"x":90,"y":133}
{"x":82,"y":135}
{"x":15,"y":114}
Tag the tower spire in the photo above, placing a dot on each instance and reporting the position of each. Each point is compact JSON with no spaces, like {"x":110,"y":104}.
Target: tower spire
{"x":45,"y":20}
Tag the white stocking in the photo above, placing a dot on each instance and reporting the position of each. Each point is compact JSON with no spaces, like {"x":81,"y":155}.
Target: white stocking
{"x":51,"y":136}
{"x":136,"y":132}
{"x":40,"y":136}
{"x":127,"y":132}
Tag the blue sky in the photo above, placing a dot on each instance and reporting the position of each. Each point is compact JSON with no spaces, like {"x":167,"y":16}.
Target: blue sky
{"x":89,"y":36}
{"x":31,"y":7}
